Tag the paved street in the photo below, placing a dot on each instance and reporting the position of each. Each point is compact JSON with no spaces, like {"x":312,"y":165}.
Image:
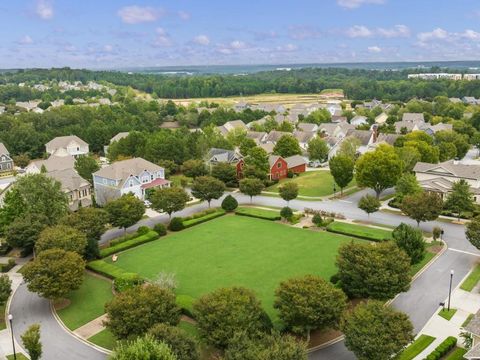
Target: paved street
{"x":420,"y":302}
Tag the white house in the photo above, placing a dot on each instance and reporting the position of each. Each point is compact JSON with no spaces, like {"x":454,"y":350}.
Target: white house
{"x":134,"y":176}
{"x":359,"y":120}
{"x":67,"y":145}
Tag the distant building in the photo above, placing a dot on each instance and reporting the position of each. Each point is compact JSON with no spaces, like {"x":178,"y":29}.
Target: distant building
{"x":77,"y":189}
{"x":134,"y":176}
{"x":67,"y":145}
{"x":6,"y":162}
{"x":117,"y":137}
{"x":235,"y":125}
{"x":53,"y":163}
{"x":216,"y":156}
{"x":359,"y":120}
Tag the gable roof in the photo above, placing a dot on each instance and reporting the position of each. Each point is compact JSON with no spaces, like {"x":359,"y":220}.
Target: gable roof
{"x":64,"y":141}
{"x":223,"y":155}
{"x":55,"y":163}
{"x":69,"y":179}
{"x":474,"y":325}
{"x":268,"y":147}
{"x":413,"y":117}
{"x":363,"y":135}
{"x":307,"y":127}
{"x":272,"y":159}
{"x":295,"y":160}
{"x":303,"y":136}
{"x":387,"y":138}
{"x":121,"y":170}
{"x":256,"y":135}
{"x":274,"y":135}
{"x":450,"y":168}
{"x":119,"y":136}
{"x":3,"y":149}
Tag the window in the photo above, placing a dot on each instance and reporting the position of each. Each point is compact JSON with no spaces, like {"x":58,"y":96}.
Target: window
{"x":151,"y":177}
{"x":279,"y":165}
{"x":130,"y":183}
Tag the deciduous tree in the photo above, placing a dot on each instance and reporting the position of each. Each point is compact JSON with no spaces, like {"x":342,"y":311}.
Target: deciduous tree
{"x":341,"y":168}
{"x":460,"y":199}
{"x":375,"y":331}
{"x":379,"y":169}
{"x":473,"y":232}
{"x":23,"y":232}
{"x":181,"y":344}
{"x":226,"y":173}
{"x":61,"y":237}
{"x":86,"y":166}
{"x":169,"y":200}
{"x":125,"y":211}
{"x":406,"y":185}
{"x":5,"y":288}
{"x":369,"y":204}
{"x":31,"y":341}
{"x":251,"y":187}
{"x":226,"y":311}
{"x":134,"y":311}
{"x":317,"y":149}
{"x":309,"y":303}
{"x":422,"y":206}
{"x":194,"y":168}
{"x":287,"y":146}
{"x":143,"y":348}
{"x":411,"y":241}
{"x":54,"y":273}
{"x":207,"y":188}
{"x":288,"y":191}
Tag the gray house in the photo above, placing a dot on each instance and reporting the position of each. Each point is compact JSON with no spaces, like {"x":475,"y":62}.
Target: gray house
{"x":6,"y":162}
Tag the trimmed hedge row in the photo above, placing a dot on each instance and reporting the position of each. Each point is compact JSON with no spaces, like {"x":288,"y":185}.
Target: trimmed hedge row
{"x":358,"y":231}
{"x":109,"y":270}
{"x":189,"y":222}
{"x":448,"y":344}
{"x":142,"y":239}
{"x":258,"y":213}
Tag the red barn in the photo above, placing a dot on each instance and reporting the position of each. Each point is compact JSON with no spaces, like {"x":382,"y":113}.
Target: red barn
{"x":296,"y":164}
{"x":278,"y":167}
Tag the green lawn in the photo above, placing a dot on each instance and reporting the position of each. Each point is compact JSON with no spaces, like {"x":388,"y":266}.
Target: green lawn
{"x":311,"y":183}
{"x":86,"y":303}
{"x":456,"y":354}
{"x":190,"y":328}
{"x":104,"y":339}
{"x":236,"y":250}
{"x":469,"y":283}
{"x":415,"y":348}
{"x":364,"y":232}
{"x":467,"y":320}
{"x":447,"y":314}
{"x":20,"y":356}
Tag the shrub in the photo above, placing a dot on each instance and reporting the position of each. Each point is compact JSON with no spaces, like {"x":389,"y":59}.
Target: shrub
{"x":103,"y":268}
{"x":182,"y":345}
{"x":8,"y":266}
{"x":317,"y":219}
{"x":176,"y":224}
{"x":286,"y":213}
{"x":142,"y":230}
{"x":199,"y":220}
{"x":445,"y":346}
{"x":258,"y":213}
{"x":290,"y":174}
{"x":127,"y":281}
{"x":142,"y":239}
{"x":160,"y":229}
{"x":229,"y":203}
{"x":436,"y":232}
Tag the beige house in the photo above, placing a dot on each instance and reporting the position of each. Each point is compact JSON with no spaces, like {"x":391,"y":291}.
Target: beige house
{"x":235,"y":125}
{"x":78,"y":190}
{"x":53,"y":163}
{"x":67,"y":145}
{"x":440,"y":177}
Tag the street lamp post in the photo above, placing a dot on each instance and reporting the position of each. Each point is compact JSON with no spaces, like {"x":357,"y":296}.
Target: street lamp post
{"x":450,"y":289}
{"x":334,"y":189}
{"x":10,"y":319}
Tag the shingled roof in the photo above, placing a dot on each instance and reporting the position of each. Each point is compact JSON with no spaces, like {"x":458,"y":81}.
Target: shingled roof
{"x":450,"y":168}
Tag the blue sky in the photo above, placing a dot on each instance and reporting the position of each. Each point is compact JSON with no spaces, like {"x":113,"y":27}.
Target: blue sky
{"x":125,"y":33}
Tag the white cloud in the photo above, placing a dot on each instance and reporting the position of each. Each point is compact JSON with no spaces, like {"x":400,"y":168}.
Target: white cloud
{"x":108,"y":48}
{"x":471,"y":34}
{"x":436,"y":34}
{"x":25,"y":40}
{"x":201,"y":40}
{"x":352,"y":4}
{"x":184,"y":15}
{"x":359,"y":31}
{"x":396,"y":31}
{"x":238,"y":45}
{"x":287,"y":48}
{"x":138,"y":14}
{"x":162,"y":38}
{"x":374,"y":49}
{"x":44,"y":9}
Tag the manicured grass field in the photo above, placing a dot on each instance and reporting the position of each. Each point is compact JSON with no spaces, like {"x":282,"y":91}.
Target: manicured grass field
{"x":447,"y":314}
{"x":312,"y":183}
{"x":415,"y":348}
{"x":86,"y":303}
{"x":236,"y":250}
{"x":104,"y":339}
{"x":456,"y":354}
{"x":20,"y":356}
{"x":364,"y":232}
{"x":469,"y":283}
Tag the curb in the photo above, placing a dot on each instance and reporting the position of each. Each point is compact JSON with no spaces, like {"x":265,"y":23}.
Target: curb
{"x":327,"y":344}
{"x":432,"y":260}
{"x":85,"y":341}
{"x":7,"y":322}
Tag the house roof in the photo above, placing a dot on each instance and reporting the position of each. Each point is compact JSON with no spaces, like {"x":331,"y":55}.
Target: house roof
{"x":170,"y":125}
{"x":256,"y":135}
{"x":69,"y":179}
{"x":474,"y":325}
{"x":64,"y":141}
{"x":473,"y":353}
{"x":3,"y":149}
{"x":338,"y":118}
{"x":119,"y":136}
{"x":449,"y":168}
{"x":440,"y":127}
{"x":328,"y":128}
{"x":307,"y":127}
{"x":295,"y":160}
{"x":121,"y":170}
{"x":223,"y":155}
{"x":274,"y":135}
{"x":55,"y":163}
{"x":268,"y":147}
{"x":409,"y":125}
{"x":358,"y":119}
{"x":380,"y":119}
{"x":303,"y":136}
{"x":362,"y":135}
{"x":413,"y":117}
{"x":387,"y":138}
{"x":272,"y":159}
{"x":155,"y":183}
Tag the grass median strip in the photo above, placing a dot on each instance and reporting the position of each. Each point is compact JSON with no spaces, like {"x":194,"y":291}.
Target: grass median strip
{"x":258,"y":213}
{"x":416,"y":347}
{"x":447,"y":314}
{"x":472,"y":279}
{"x":363,"y":232}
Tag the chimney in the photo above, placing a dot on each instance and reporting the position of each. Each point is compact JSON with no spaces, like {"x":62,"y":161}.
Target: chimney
{"x":375,"y":133}
{"x":456,"y":161}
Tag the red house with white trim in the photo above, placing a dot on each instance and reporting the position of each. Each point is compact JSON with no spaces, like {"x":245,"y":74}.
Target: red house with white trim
{"x":279,"y":167}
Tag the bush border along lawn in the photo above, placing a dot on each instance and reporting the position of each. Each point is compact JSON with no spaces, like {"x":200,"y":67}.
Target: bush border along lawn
{"x":138,"y":240}
{"x":441,"y":350}
{"x":472,"y":279}
{"x":447,"y":314}
{"x":457,"y":354}
{"x":258,"y":213}
{"x":359,"y":231}
{"x":106,"y":269}
{"x":196,"y":220}
{"x":416,"y":347}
